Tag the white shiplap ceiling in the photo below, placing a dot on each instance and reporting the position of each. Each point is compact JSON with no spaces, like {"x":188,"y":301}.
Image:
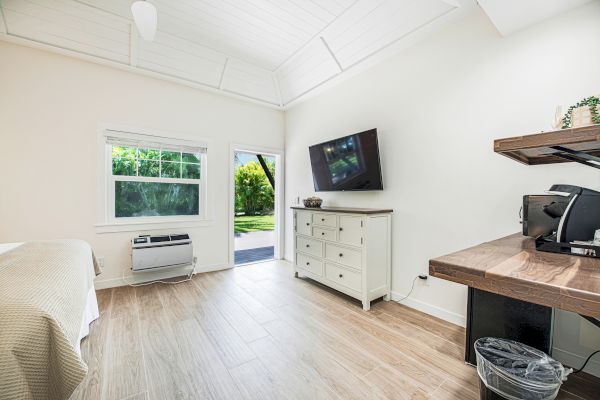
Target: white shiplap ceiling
{"x":271,"y":51}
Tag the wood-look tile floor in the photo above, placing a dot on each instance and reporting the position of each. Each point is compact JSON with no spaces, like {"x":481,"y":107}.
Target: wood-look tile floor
{"x":256,"y":332}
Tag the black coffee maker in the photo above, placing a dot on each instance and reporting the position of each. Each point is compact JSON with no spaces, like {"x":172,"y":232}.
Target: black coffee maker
{"x":563,"y":221}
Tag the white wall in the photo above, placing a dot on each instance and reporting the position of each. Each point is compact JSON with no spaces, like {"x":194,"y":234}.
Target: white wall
{"x":438,"y":107}
{"x":50,"y":108}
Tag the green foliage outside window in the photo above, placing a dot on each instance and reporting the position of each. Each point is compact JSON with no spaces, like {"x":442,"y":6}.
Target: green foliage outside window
{"x":153,"y":163}
{"x":137,"y":199}
{"x":151,"y":199}
{"x":253,"y":192}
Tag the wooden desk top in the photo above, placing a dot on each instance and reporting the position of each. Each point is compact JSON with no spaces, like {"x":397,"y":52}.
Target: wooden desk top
{"x":512,"y":267}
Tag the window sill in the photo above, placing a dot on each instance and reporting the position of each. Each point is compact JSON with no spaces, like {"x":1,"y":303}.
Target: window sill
{"x":150,"y":226}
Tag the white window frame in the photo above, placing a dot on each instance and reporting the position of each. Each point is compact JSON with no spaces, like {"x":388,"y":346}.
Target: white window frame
{"x":108,"y":222}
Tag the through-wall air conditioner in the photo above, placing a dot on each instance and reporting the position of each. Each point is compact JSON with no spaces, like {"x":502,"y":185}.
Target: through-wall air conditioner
{"x":162,"y":251}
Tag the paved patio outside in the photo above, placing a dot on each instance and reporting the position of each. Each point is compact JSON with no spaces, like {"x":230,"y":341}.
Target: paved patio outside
{"x":254,"y":247}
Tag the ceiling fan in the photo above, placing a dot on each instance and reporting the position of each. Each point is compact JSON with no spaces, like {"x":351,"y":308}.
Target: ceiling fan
{"x":145,"y":18}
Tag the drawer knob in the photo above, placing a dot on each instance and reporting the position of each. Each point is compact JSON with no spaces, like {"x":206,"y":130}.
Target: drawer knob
{"x":308,"y":245}
{"x":323,"y":233}
{"x":307,"y":263}
{"x":341,"y":255}
{"x":341,"y":276}
{"x":341,"y":229}
{"x":323,"y":219}
{"x":308,"y":223}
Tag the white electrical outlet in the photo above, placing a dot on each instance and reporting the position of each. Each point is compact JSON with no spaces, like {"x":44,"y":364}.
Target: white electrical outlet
{"x":100,"y":261}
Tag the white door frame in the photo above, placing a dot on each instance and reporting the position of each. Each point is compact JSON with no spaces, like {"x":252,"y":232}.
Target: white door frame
{"x":279,"y":195}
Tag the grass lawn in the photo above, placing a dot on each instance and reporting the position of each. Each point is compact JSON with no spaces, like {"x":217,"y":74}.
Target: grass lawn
{"x":254,"y":223}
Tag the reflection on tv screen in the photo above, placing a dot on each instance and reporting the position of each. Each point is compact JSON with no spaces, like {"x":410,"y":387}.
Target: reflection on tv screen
{"x":347,"y":163}
{"x":342,"y":159}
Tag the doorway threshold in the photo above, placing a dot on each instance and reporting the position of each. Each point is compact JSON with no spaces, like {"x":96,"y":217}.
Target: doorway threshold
{"x":250,"y":256}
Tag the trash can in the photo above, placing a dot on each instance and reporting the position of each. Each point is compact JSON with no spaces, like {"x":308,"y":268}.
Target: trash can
{"x":514,"y":371}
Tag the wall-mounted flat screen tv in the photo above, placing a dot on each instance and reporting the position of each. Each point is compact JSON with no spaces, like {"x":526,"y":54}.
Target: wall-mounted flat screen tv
{"x":347,"y":163}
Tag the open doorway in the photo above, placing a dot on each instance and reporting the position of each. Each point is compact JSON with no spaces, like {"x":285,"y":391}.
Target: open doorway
{"x":255,"y":198}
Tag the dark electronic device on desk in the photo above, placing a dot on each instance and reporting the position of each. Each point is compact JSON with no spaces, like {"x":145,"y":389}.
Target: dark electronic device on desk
{"x":568,"y":213}
{"x":561,"y":221}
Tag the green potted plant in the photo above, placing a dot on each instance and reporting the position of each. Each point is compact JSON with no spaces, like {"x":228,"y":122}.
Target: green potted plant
{"x":586,"y":112}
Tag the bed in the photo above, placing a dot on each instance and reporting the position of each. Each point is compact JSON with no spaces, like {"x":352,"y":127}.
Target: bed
{"x":47,"y":301}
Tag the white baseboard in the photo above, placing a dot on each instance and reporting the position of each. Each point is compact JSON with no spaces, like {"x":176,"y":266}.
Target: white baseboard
{"x":430,"y":309}
{"x":576,"y":361}
{"x":151,"y":276}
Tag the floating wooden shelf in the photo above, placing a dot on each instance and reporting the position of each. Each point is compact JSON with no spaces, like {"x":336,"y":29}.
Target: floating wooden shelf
{"x":577,"y":144}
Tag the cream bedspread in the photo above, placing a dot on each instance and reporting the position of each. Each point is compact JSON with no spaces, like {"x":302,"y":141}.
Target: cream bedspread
{"x":43,"y":292}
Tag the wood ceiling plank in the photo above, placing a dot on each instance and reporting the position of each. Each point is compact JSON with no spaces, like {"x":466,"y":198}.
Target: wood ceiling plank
{"x":288,"y":9}
{"x":316,"y":9}
{"x":306,"y":70}
{"x":332,"y":7}
{"x":386,"y":24}
{"x":347,"y":22}
{"x":59,"y":24}
{"x":69,"y":13}
{"x":261,"y":56}
{"x":247,"y":79}
{"x":264,"y":50}
{"x":195,"y":37}
{"x":121,"y":8}
{"x":53,"y":35}
{"x":267,"y":20}
{"x":232,"y":22}
{"x":182,"y":59}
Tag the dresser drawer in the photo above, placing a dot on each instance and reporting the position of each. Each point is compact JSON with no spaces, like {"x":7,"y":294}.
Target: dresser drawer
{"x":343,"y":255}
{"x":324,"y":219}
{"x":309,"y":264}
{"x":309,"y":246}
{"x":343,"y":276}
{"x":324,"y":233}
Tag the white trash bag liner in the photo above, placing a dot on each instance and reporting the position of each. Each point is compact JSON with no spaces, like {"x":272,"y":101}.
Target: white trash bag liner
{"x":517,"y":371}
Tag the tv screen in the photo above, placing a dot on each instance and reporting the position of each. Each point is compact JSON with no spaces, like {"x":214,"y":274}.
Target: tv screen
{"x":347,"y":163}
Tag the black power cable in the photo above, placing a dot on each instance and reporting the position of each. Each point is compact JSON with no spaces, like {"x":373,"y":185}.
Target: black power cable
{"x":575,"y":371}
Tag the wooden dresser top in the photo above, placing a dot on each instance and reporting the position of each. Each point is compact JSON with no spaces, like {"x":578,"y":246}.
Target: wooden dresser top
{"x":511,"y":266}
{"x":348,"y":210}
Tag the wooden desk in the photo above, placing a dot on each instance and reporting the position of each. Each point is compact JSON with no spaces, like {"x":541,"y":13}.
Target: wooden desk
{"x":512,"y":267}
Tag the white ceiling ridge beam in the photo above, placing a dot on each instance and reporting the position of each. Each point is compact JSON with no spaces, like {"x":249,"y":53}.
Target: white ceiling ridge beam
{"x":408,"y":34}
{"x":254,"y":99}
{"x":134,"y":45}
{"x":277,"y":88}
{"x":453,"y":3}
{"x":3,"y":26}
{"x":210,"y":48}
{"x":293,"y":99}
{"x":130,"y":21}
{"x":112,"y":14}
{"x":444,"y":17}
{"x":318,"y":34}
{"x":222,"y":78}
{"x":331,"y":53}
{"x":136,"y":70}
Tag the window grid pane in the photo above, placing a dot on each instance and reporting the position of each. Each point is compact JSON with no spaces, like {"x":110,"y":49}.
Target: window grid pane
{"x":148,"y":162}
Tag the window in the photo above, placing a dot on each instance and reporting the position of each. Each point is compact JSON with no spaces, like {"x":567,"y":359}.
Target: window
{"x":154,"y":179}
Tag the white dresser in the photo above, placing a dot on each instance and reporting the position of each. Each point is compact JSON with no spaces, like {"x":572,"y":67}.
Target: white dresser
{"x":348,"y":249}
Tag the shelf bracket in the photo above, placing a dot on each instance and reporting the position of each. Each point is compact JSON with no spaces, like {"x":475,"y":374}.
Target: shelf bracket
{"x":577,"y":156}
